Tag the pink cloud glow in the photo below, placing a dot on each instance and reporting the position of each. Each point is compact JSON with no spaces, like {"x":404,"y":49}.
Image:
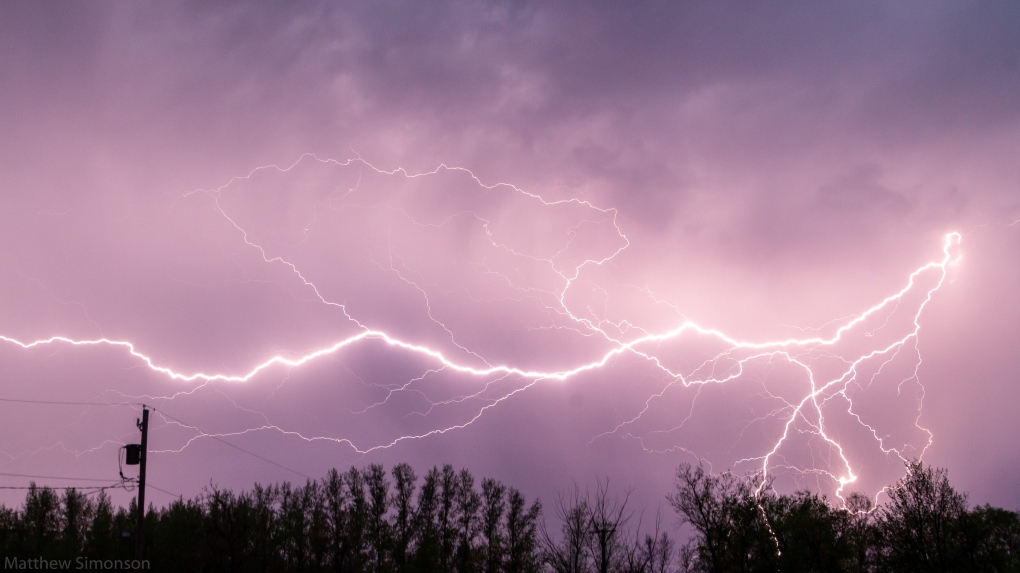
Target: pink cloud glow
{"x":546,"y":245}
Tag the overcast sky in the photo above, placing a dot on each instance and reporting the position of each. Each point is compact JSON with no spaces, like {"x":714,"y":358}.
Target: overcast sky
{"x":477,"y":200}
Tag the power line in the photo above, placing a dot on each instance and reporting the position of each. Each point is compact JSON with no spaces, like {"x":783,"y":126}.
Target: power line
{"x":170,"y":493}
{"x":222,"y":441}
{"x":82,"y":489}
{"x":60,"y":403}
{"x":53,"y":477}
{"x":217,"y":438}
{"x":122,"y":484}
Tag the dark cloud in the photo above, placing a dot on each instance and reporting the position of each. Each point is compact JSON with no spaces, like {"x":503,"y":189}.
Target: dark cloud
{"x":771,"y":164}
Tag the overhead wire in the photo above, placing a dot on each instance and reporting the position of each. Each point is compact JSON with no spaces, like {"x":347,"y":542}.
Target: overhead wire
{"x":53,"y":477}
{"x":89,"y":489}
{"x":126,"y":483}
{"x":157,"y":488}
{"x":64,"y":403}
{"x":83,"y":488}
{"x":222,"y":441}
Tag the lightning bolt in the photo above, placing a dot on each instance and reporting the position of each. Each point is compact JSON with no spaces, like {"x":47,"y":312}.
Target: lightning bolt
{"x":809,"y":387}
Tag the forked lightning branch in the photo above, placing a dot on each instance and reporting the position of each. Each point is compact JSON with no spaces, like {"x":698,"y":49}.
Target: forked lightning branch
{"x":830,"y":368}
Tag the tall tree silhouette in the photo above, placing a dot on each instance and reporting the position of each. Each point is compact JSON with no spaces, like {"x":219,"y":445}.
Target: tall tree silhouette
{"x":921,"y":524}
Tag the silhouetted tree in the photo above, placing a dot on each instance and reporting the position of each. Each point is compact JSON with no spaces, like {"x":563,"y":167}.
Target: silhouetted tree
{"x":448,"y":485}
{"x":357,"y":521}
{"x":990,"y":540}
{"x":521,"y":534}
{"x":297,"y":528}
{"x":607,"y":519}
{"x":857,"y":526}
{"x":649,"y":552}
{"x":124,"y":522}
{"x":335,"y":499}
{"x":178,"y":541}
{"x":810,"y":533}
{"x":493,"y":538}
{"x":77,"y":515}
{"x":9,"y":527}
{"x":921,"y":523}
{"x":378,"y":528}
{"x":467,"y":504}
{"x":728,"y":520}
{"x":404,"y":518}
{"x":102,"y":539}
{"x":264,"y":533}
{"x":40,"y":521}
{"x":226,"y":530}
{"x":427,"y":552}
{"x":569,"y":553}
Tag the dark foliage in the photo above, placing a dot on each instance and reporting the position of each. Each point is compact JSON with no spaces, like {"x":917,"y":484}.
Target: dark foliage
{"x":363,"y":520}
{"x":372,"y":521}
{"x":742,"y":525}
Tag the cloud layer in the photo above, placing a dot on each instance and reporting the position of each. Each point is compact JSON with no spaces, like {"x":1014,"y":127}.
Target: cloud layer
{"x":768,"y":169}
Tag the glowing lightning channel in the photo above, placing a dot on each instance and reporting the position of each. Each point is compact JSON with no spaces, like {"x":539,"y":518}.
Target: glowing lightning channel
{"x":803,"y":415}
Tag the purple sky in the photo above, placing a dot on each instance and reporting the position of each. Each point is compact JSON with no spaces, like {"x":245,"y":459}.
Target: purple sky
{"x":218,"y":185}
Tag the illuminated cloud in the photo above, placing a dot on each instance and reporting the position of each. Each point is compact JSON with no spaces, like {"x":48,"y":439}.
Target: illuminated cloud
{"x":764,"y":173}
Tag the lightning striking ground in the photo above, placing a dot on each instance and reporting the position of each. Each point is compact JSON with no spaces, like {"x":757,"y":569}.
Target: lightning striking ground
{"x":804,"y":412}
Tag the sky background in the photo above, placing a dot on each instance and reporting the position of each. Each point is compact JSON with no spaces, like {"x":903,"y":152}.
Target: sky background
{"x":530,"y":185}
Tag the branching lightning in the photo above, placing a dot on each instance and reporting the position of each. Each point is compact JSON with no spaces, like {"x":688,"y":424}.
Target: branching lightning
{"x":803,"y":415}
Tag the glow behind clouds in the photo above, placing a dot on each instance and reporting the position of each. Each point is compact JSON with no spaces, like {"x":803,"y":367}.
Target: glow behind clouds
{"x":762,"y":189}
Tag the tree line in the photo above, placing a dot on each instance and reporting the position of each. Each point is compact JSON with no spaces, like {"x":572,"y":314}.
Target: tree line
{"x":364,"y":520}
{"x":370,"y":520}
{"x":740,"y":524}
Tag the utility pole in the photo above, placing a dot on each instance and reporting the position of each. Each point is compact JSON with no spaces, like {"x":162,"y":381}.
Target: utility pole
{"x":605,"y":531}
{"x":143,"y":425}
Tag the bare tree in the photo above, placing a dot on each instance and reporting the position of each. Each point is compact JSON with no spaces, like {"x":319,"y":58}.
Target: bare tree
{"x":652,"y":552}
{"x":729,"y":524}
{"x":569,"y":554}
{"x":607,"y":519}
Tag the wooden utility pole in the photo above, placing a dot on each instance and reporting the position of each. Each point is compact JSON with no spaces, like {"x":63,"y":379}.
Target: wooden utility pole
{"x":143,"y":425}
{"x":604,"y":531}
